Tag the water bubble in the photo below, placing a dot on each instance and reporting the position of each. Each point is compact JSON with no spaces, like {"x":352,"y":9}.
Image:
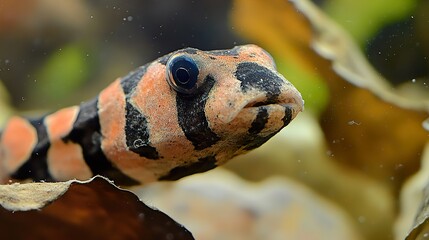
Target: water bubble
{"x":353,"y":122}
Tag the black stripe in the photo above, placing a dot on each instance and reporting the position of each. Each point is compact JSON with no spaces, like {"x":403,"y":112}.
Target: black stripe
{"x":36,"y":167}
{"x":259,"y":123}
{"x":130,"y":82}
{"x":192,"y":117}
{"x":255,"y":76}
{"x":203,"y":165}
{"x":86,"y":132}
{"x":137,"y":133}
{"x":254,"y":141}
{"x":287,"y":117}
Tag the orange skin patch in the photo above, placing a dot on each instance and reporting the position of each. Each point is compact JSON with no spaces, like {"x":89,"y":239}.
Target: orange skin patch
{"x":65,"y":160}
{"x":17,"y":143}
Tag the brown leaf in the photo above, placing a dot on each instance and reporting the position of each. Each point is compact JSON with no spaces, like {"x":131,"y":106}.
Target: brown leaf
{"x":94,"y":209}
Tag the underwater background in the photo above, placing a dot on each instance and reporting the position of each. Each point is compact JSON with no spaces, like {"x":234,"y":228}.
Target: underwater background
{"x":354,"y":165}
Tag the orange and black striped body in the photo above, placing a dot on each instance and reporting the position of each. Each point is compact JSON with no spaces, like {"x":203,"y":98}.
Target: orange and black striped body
{"x":184,"y":113}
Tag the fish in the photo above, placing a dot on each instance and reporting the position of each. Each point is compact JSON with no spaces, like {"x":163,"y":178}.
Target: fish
{"x":184,"y":113}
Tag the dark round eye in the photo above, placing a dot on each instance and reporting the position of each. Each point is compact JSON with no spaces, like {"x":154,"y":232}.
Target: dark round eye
{"x":182,"y":73}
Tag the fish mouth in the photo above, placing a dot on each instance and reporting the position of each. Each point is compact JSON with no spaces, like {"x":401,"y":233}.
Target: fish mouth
{"x":295,"y":104}
{"x":267,"y":103}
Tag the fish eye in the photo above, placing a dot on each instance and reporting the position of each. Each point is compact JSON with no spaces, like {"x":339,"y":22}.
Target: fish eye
{"x":182,"y":73}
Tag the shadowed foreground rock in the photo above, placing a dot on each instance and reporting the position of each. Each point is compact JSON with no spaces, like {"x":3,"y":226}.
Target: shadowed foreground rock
{"x":81,"y":210}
